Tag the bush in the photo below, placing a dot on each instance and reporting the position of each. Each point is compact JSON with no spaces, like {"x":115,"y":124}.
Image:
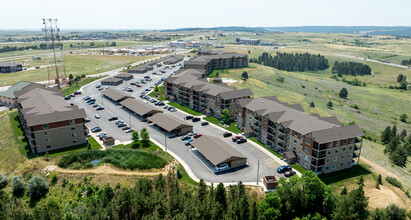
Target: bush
{"x":53,"y":177}
{"x":3,"y":181}
{"x":179,"y":176}
{"x":18,"y":185}
{"x":393,"y":181}
{"x":38,"y":187}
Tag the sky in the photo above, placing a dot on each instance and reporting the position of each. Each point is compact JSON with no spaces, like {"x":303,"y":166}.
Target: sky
{"x":169,"y":14}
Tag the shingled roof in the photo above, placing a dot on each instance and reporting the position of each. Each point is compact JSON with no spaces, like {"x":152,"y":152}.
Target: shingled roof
{"x":139,"y":107}
{"x":167,"y":122}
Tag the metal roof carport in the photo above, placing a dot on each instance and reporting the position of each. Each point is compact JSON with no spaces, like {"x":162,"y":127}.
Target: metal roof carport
{"x":115,"y":95}
{"x":139,"y":107}
{"x":219,"y":152}
{"x":170,"y":123}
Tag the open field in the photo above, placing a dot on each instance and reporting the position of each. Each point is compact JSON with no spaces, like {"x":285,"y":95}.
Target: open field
{"x":76,"y":65}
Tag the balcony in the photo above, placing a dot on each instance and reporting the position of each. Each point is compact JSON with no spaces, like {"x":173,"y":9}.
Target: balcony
{"x":319,"y":147}
{"x":319,"y":155}
{"x":356,"y":148}
{"x":355,"y":155}
{"x":280,"y":145}
{"x":317,"y":163}
{"x":282,"y":130}
{"x":281,"y":137}
{"x":257,"y":123}
{"x":357,"y":140}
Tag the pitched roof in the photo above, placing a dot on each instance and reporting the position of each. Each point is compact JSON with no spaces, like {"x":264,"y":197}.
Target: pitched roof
{"x":204,"y":59}
{"x":115,"y":95}
{"x":167,"y":122}
{"x":236,"y":94}
{"x":9,"y":93}
{"x":139,"y":107}
{"x":112,"y":80}
{"x":6,"y":64}
{"x":337,"y":133}
{"x":43,"y":106}
{"x":215,"y":150}
{"x":123,"y":75}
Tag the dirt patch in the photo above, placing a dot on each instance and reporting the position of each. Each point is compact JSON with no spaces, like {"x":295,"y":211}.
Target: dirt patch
{"x":385,"y":196}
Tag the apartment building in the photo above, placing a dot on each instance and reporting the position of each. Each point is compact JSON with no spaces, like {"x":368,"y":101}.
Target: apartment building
{"x":189,"y":87}
{"x":9,"y":67}
{"x":49,"y":122}
{"x":216,"y":60}
{"x":318,"y":144}
{"x":7,"y":97}
{"x":247,"y":41}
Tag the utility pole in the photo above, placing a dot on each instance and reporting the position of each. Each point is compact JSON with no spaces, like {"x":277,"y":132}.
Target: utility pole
{"x":129,"y":118}
{"x":102,"y":100}
{"x":165,"y":140}
{"x":258,"y":169}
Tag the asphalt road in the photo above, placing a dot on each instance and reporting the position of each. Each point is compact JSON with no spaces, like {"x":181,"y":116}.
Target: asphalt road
{"x":200,"y":167}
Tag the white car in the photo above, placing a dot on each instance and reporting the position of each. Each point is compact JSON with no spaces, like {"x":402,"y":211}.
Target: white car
{"x":173,"y":110}
{"x":101,"y":134}
{"x":191,"y":133}
{"x":97,"y":116}
{"x":221,"y":167}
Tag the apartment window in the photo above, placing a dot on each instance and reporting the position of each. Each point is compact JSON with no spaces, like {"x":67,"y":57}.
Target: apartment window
{"x":348,"y":163}
{"x":289,"y":138}
{"x":327,"y":168}
{"x":46,"y":133}
{"x":306,"y":149}
{"x":350,"y":148}
{"x":301,"y":144}
{"x":295,"y":134}
{"x":295,"y":142}
{"x":308,"y":141}
{"x":337,"y":143}
{"x":294,"y":148}
{"x":299,"y":151}
{"x":328,"y":160}
{"x":74,"y":141}
{"x":344,"y":149}
{"x":290,"y":131}
{"x":342,"y":157}
{"x":48,"y":146}
{"x":342,"y":164}
{"x":334,"y":167}
{"x":330,"y":144}
{"x":345,"y":141}
{"x":73,"y":128}
{"x":335,"y":158}
{"x":352,"y":140}
{"x":45,"y":126}
{"x":305,"y":165}
{"x":74,"y":135}
{"x":264,"y":134}
{"x":336,"y":151}
{"x":47,"y":140}
{"x":329,"y":152}
{"x":305,"y":157}
{"x":288,"y":146}
{"x":265,"y":120}
{"x":72,"y":122}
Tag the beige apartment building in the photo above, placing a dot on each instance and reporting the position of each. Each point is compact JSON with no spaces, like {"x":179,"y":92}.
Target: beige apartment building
{"x":318,"y":144}
{"x":50,"y":122}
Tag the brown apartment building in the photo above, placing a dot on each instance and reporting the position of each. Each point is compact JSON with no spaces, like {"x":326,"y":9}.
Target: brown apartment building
{"x":189,"y":87}
{"x":49,"y":122}
{"x":318,"y":144}
{"x":213,"y":60}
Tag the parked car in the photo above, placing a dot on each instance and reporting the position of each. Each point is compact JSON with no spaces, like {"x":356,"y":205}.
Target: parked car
{"x":234,"y":139}
{"x":227,"y":134}
{"x":101,"y":134}
{"x":91,"y":103}
{"x":166,"y":107}
{"x":121,"y":125}
{"x":87,"y":120}
{"x":138,"y":85}
{"x":289,"y":173}
{"x":67,"y":97}
{"x":97,"y":116}
{"x":130,"y":130}
{"x":185,"y":138}
{"x":204,"y":123}
{"x":87,"y":98}
{"x":192,"y":133}
{"x":197,"y":136}
{"x":283,"y":169}
{"x":143,"y":82}
{"x":133,"y":83}
{"x":147,"y":77}
{"x":98,"y":86}
{"x":161,"y":103}
{"x":173,"y":110}
{"x":187,"y":142}
{"x":119,"y":122}
{"x":72,"y":104}
{"x":195,"y":119}
{"x":130,"y":90}
{"x":77,"y":92}
{"x":170,"y":107}
{"x":241,"y":140}
{"x":112,"y":118}
{"x":100,"y":108}
{"x":126,"y":128}
{"x":222,"y":167}
{"x":96,"y":105}
{"x":96,"y":129}
{"x":188,"y":117}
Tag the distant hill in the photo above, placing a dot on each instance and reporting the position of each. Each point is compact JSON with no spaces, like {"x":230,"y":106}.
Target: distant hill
{"x":229,"y":28}
{"x":371,"y":30}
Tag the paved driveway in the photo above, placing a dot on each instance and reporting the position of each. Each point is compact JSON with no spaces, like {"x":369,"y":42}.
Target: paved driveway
{"x":245,"y":174}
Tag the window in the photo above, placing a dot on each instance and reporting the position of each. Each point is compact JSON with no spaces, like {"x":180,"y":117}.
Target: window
{"x":342,"y":164}
{"x":305,"y":165}
{"x":264,"y":134}
{"x":342,"y":157}
{"x":336,"y":151}
{"x":330,"y":144}
{"x":329,"y":152}
{"x":295,"y":142}
{"x":295,"y":134}
{"x":48,"y":146}
{"x":290,"y":131}
{"x":352,"y":140}
{"x":74,"y":141}
{"x":344,"y":149}
{"x":74,"y":135}
{"x":335,"y":158}
{"x":289,"y":146}
{"x":306,"y":149}
{"x":337,"y":143}
{"x":308,"y":141}
{"x":348,"y":163}
{"x":46,"y":133}
{"x":350,"y":148}
{"x":45,"y":126}
{"x":328,"y":160}
{"x":73,"y":128}
{"x":72,"y":122}
{"x":47,"y":140}
{"x":305,"y":157}
{"x":334,"y":167}
{"x":301,"y":144}
{"x":345,"y":141}
{"x":327,"y":168}
{"x":289,"y":138}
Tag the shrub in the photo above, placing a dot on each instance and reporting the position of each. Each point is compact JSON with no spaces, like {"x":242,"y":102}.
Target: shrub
{"x":53,"y":177}
{"x":38,"y":187}
{"x":179,"y":176}
{"x":18,"y":185}
{"x":3,"y":181}
{"x":393,"y":181}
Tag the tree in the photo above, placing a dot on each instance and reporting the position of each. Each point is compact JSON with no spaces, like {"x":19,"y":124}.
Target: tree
{"x":135,"y":137}
{"x":145,"y":137}
{"x":379,"y":180}
{"x":244,"y":76}
{"x":330,"y":105}
{"x":156,"y":89}
{"x":403,"y":118}
{"x":403,"y":85}
{"x":202,"y":191}
{"x":221,"y":196}
{"x":71,"y":76}
{"x":344,"y":191}
{"x":18,"y":185}
{"x":396,"y":213}
{"x":361,"y":181}
{"x":400,"y":78}
{"x":403,"y":134}
{"x":352,"y":206}
{"x":399,"y":156}
{"x":113,"y":44}
{"x":254,"y":211}
{"x":38,"y":187}
{"x":312,"y":105}
{"x":394,"y":143}
{"x":343,"y":93}
{"x":226,"y":116}
{"x":3,"y":181}
{"x":270,"y":206}
{"x":386,"y":135}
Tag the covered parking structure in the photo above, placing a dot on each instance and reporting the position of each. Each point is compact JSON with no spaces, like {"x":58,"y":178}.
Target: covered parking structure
{"x":170,"y":124}
{"x":139,"y":107}
{"x":218,"y":152}
{"x":111,"y":81}
{"x":124,"y":76}
{"x":115,"y":95}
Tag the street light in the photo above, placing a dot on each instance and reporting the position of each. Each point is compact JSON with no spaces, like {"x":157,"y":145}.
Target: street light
{"x":258,"y":169}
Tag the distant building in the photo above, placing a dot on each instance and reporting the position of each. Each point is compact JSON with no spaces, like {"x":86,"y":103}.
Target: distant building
{"x":247,"y":41}
{"x":140,"y":69}
{"x":178,"y":44}
{"x":173,"y":60}
{"x":124,"y":76}
{"x":50,"y":122}
{"x":8,"y":67}
{"x":111,"y":81}
{"x":8,"y":98}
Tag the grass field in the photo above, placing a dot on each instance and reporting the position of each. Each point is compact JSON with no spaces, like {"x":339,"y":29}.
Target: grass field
{"x":231,"y":127}
{"x":76,"y":65}
{"x":185,"y":109}
{"x":78,"y":85}
{"x":158,"y":95}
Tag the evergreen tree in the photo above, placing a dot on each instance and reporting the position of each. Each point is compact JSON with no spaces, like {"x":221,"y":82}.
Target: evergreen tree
{"x":400,"y":78}
{"x":202,"y":191}
{"x":351,"y":68}
{"x":343,"y":93}
{"x":403,"y":134}
{"x":330,"y":105}
{"x":394,"y":143}
{"x":270,"y":207}
{"x":403,"y":118}
{"x":145,"y":137}
{"x":221,"y":196}
{"x":361,"y":181}
{"x":399,"y":156}
{"x":38,"y":187}
{"x":254,"y":211}
{"x":344,"y":191}
{"x":18,"y":185}
{"x":379,"y":180}
{"x":312,"y":105}
{"x":244,"y":76}
{"x":386,"y":135}
{"x":3,"y":181}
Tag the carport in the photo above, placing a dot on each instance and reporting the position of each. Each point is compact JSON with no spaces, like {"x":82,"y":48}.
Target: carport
{"x":139,"y":107}
{"x":115,"y":95}
{"x":170,"y":124}
{"x":219,"y":152}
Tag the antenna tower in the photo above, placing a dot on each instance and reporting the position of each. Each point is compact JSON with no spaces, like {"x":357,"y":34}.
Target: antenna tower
{"x":54,"y":48}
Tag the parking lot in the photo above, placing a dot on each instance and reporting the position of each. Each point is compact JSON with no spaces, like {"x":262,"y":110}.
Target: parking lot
{"x":197,"y":164}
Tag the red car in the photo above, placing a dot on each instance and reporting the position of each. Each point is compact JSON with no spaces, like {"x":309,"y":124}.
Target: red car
{"x":138,"y":85}
{"x":197,"y":136}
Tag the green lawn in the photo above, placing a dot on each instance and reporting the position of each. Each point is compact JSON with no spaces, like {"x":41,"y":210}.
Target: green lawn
{"x":299,"y":168}
{"x":160,"y":95}
{"x":261,"y":144}
{"x":185,"y":109}
{"x":151,"y":148}
{"x":25,"y":149}
{"x":78,"y":85}
{"x":343,"y":176}
{"x":232,"y":126}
